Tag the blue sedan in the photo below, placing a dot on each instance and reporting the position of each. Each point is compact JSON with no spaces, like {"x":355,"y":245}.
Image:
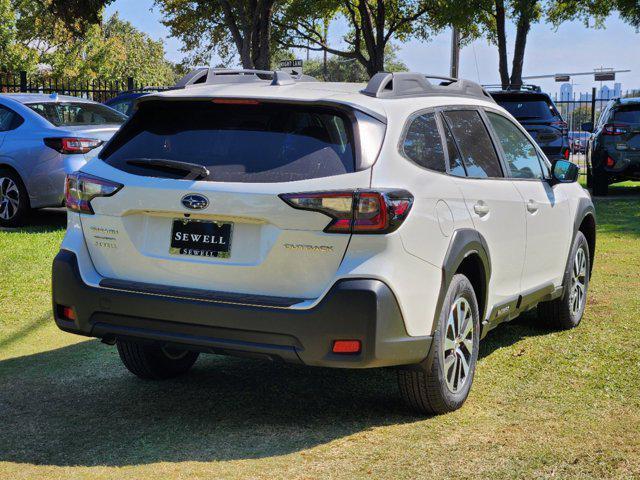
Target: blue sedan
{"x":42,"y":138}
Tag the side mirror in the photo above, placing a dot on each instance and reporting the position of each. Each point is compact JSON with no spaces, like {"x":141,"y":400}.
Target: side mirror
{"x":587,"y":127}
{"x":564,"y":171}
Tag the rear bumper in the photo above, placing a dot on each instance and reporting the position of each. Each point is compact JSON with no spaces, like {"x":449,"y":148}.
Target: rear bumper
{"x":362,"y":309}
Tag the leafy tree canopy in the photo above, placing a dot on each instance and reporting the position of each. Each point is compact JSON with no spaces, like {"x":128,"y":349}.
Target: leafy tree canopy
{"x":35,"y":39}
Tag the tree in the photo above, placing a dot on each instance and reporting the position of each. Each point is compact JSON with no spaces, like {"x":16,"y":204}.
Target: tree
{"x":494,"y":17}
{"x":338,"y":69}
{"x":31,"y":36}
{"x":212,"y":26}
{"x":373,"y":25}
{"x":113,"y":50}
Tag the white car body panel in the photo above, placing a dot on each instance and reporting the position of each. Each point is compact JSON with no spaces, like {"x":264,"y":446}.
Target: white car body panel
{"x":128,"y":237}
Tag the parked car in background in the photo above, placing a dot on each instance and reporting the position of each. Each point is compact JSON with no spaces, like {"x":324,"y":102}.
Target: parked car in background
{"x":578,"y":141}
{"x":613,"y":153}
{"x":124,"y":102}
{"x":42,"y":139}
{"x":537,"y":113}
{"x":329,"y":224}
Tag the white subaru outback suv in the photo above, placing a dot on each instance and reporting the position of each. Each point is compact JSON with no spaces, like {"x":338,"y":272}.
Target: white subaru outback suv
{"x":328,"y":224}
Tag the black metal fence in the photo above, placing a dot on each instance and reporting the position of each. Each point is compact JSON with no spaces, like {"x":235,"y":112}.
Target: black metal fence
{"x":582,"y":108}
{"x":97,"y":90}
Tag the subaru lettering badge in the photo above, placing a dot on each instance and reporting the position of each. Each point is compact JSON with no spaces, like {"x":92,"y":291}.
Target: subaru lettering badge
{"x":193,"y":201}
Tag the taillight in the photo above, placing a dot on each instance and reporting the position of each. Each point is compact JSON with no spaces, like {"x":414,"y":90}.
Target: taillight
{"x":562,"y":125}
{"x":613,"y":129}
{"x":71,"y":145}
{"x":81,"y":188}
{"x":565,"y":155}
{"x":359,"y":211}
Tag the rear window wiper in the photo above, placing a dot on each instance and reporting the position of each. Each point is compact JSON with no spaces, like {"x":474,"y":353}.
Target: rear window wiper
{"x":195,"y":170}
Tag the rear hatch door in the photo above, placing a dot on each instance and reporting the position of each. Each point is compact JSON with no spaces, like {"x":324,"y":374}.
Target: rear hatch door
{"x":228,"y":231}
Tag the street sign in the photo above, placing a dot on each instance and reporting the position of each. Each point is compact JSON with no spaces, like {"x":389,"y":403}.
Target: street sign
{"x":604,"y":76}
{"x":292,"y":67}
{"x":560,"y":77}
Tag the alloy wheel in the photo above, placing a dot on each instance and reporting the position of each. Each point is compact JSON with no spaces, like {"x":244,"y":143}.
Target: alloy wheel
{"x":578,"y":292}
{"x":9,"y":198}
{"x":458,"y":345}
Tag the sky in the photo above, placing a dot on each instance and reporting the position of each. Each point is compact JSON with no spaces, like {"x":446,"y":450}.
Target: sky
{"x":569,"y":48}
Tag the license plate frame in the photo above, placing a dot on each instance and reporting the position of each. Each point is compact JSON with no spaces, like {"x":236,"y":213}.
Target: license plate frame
{"x":217,"y":247}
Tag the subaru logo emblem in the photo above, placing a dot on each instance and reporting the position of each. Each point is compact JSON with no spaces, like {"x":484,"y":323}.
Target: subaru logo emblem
{"x":193,"y":201}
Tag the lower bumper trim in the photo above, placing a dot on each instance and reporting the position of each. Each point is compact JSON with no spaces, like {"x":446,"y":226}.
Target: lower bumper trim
{"x":354,"y":309}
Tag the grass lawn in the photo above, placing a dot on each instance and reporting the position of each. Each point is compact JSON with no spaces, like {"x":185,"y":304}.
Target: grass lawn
{"x":544,"y":404}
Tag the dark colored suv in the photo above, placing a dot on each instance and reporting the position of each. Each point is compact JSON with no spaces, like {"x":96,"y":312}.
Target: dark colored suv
{"x":613,"y":153}
{"x":537,"y":113}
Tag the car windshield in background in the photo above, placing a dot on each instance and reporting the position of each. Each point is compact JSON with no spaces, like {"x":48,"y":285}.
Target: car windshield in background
{"x":257,"y":143}
{"x":523,"y":109}
{"x":67,"y":114}
{"x":627,"y":114}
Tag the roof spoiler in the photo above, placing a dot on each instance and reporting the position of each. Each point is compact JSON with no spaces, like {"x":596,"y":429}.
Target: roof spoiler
{"x":409,"y":84}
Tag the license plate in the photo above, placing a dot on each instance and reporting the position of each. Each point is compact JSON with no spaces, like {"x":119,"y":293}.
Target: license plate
{"x":201,"y":238}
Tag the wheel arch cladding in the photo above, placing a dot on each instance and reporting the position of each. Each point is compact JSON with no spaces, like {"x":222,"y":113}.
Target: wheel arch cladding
{"x":585,"y":222}
{"x":467,"y":254}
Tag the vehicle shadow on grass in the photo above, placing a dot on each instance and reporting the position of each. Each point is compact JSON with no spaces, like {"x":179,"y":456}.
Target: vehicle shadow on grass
{"x":41,"y":221}
{"x":77,"y":405}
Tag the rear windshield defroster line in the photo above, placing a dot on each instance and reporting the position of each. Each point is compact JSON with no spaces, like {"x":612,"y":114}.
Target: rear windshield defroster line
{"x":263,"y":143}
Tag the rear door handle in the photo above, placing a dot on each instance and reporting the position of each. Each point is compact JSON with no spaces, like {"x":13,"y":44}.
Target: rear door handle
{"x":481,"y":208}
{"x":532,"y":206}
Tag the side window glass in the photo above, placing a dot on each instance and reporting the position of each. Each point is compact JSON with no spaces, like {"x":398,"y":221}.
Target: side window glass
{"x":6,"y":119}
{"x":456,"y":167}
{"x":478,"y":154}
{"x":519,"y":152}
{"x":423,"y":144}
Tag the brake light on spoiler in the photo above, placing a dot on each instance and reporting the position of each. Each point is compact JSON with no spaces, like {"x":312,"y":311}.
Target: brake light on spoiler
{"x":356,"y":211}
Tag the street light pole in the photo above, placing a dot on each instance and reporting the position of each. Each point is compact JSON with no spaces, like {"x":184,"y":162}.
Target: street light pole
{"x":455,"y":53}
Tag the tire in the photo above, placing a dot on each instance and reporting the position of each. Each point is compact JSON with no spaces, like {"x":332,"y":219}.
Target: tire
{"x":426,"y":387}
{"x":589,"y":178}
{"x":566,"y":312}
{"x":153,"y":362}
{"x":14,"y":199}
{"x":600,"y":185}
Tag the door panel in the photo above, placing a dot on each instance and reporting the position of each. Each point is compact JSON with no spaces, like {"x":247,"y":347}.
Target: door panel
{"x":496,"y":208}
{"x":548,"y":230}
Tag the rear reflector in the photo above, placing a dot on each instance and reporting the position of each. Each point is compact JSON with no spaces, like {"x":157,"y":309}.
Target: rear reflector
{"x":358,"y":211}
{"x":346,"y":346}
{"x":67,"y":313}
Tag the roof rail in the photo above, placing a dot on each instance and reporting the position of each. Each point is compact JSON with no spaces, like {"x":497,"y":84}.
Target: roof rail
{"x":216,"y":76}
{"x":409,"y":84}
{"x":514,"y":88}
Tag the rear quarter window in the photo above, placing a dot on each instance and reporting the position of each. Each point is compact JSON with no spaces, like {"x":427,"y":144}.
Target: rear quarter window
{"x":422,"y":143}
{"x":261,"y":143}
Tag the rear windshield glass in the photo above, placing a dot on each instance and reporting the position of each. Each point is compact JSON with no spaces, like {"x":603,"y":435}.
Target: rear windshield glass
{"x":63,"y":114}
{"x":528,"y":109}
{"x":627,"y":114}
{"x":259,"y":143}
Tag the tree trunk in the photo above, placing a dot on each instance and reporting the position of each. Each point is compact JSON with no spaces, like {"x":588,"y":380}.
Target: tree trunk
{"x":501,"y":35}
{"x":522,"y":30}
{"x":518,"y":54}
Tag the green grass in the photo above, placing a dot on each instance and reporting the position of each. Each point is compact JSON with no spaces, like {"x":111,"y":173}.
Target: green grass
{"x":544,"y":404}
